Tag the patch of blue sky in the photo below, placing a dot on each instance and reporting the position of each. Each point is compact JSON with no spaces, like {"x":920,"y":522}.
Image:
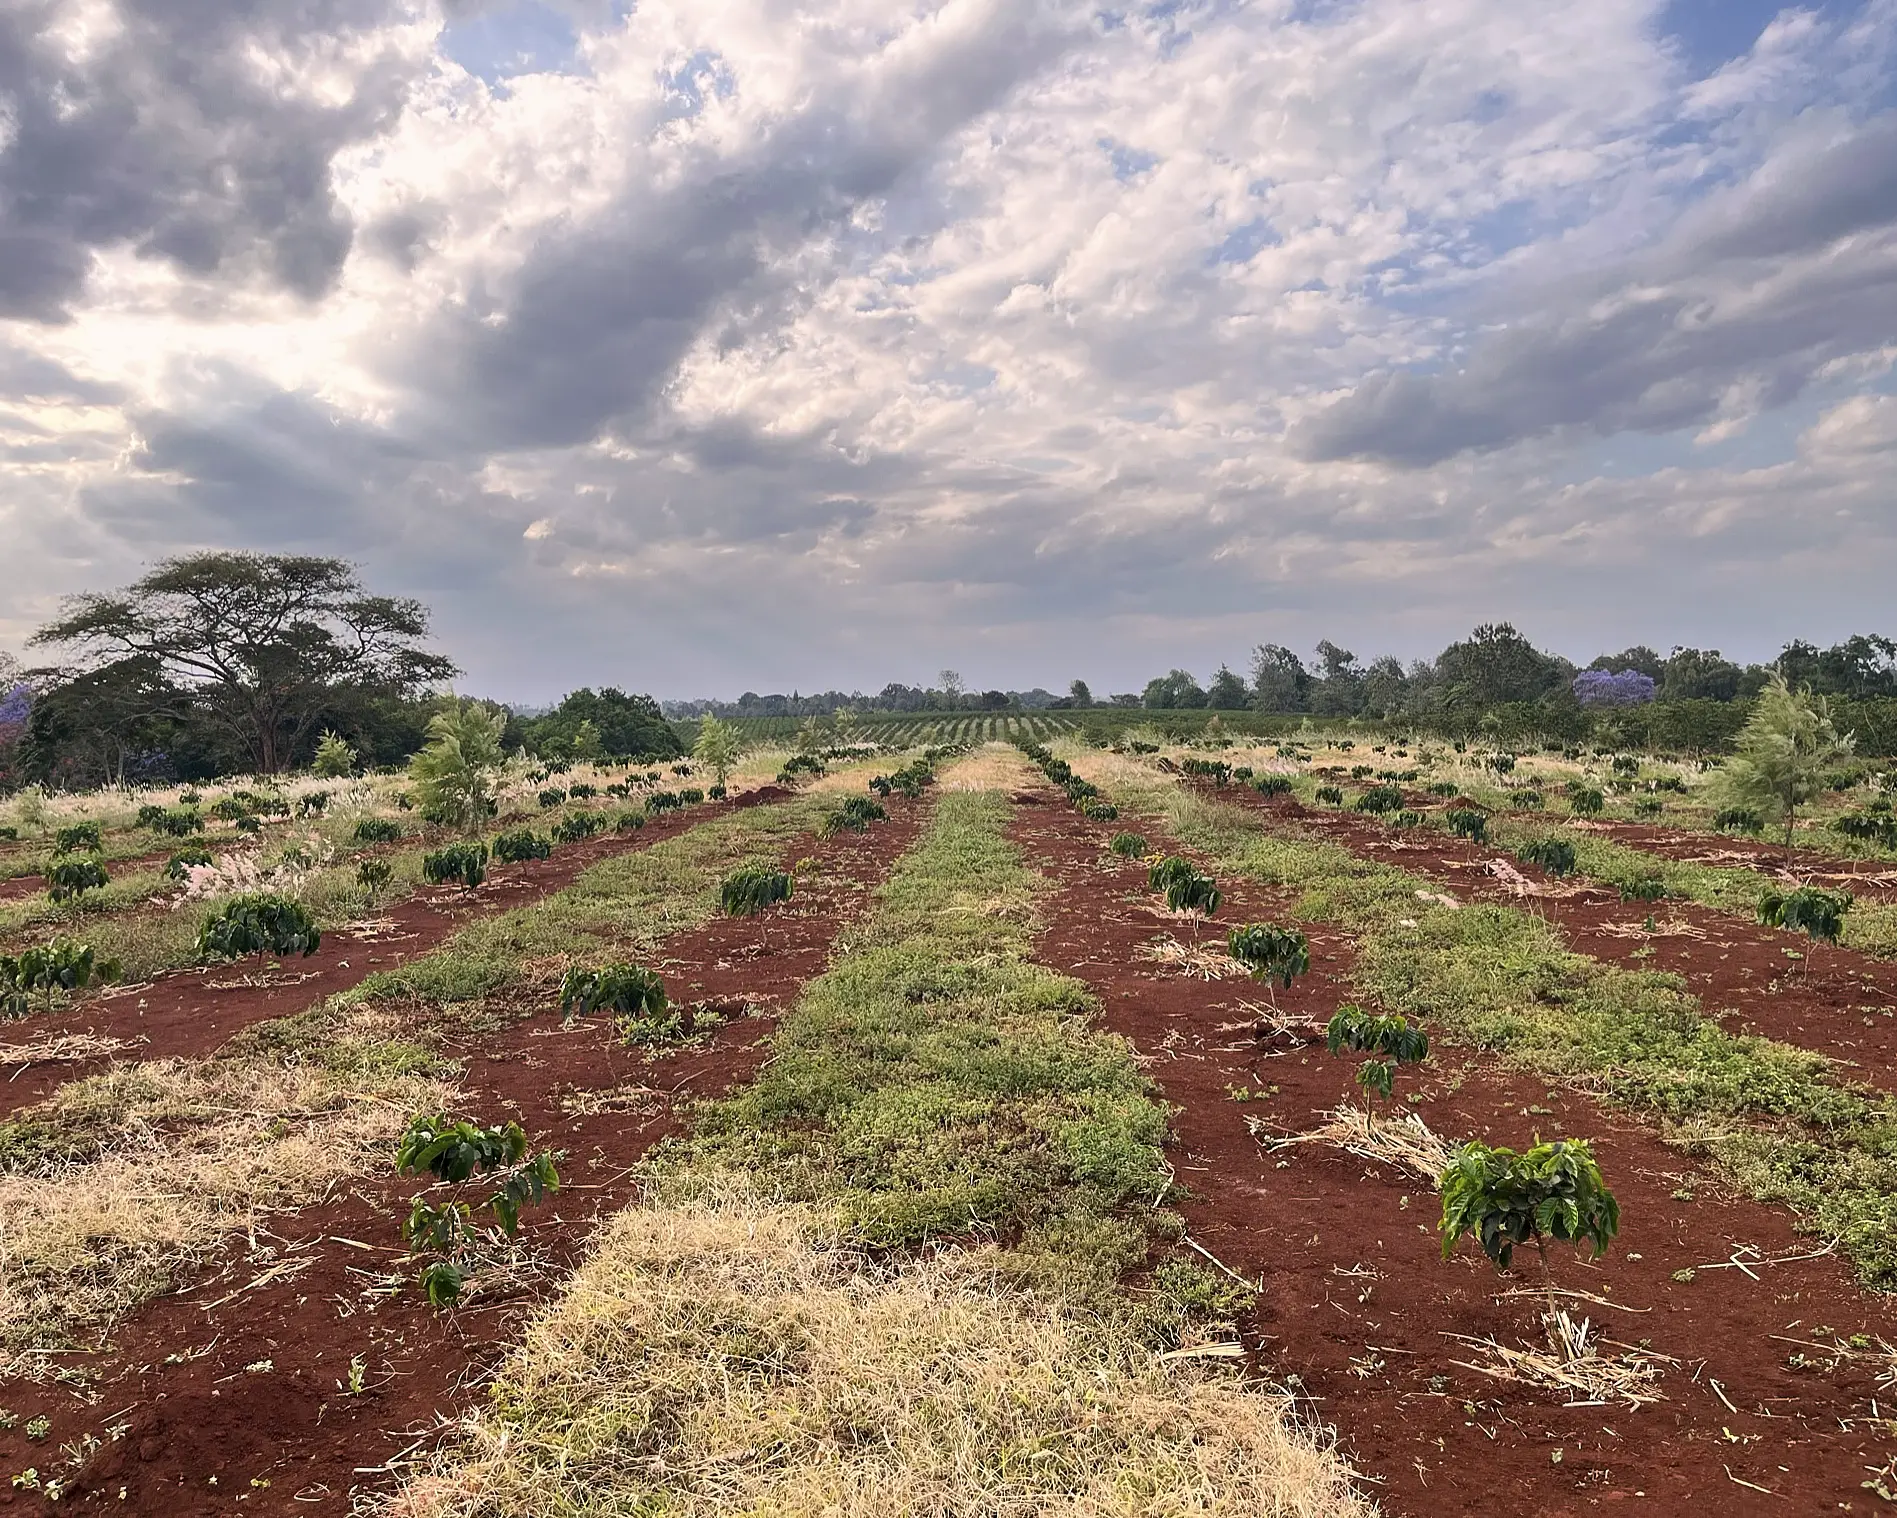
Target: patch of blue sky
{"x":1128,"y":163}
{"x":1708,"y":34}
{"x":965,"y":378}
{"x":511,"y":39}
{"x":1241,"y":244}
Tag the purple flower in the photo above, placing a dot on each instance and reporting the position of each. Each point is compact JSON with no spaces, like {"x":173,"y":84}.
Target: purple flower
{"x":1599,"y":687}
{"x":16,"y":705}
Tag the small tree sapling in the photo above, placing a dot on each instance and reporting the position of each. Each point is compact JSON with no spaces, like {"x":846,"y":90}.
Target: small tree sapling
{"x":1391,"y":1041}
{"x":454,"y":1151}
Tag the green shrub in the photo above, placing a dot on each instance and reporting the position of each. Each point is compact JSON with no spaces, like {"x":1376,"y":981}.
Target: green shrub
{"x":579,"y":826}
{"x":1330,"y":795}
{"x":263,"y":923}
{"x":1466,"y":823}
{"x":635,"y":997}
{"x":1819,"y":913}
{"x":1502,"y":1199}
{"x":1738,"y":819}
{"x":552,"y":798}
{"x":335,"y":759}
{"x":1868,"y":827}
{"x":521,"y":846}
{"x":181,"y":862}
{"x":69,"y":879}
{"x":62,"y":966}
{"x":1270,"y":953}
{"x":1443,"y":788}
{"x":1099,"y":811}
{"x":1649,"y":807}
{"x":80,"y":836}
{"x":1381,"y":799}
{"x":1272,"y":785}
{"x":1554,"y":855}
{"x":660,"y":802}
{"x":1586,"y":802}
{"x":463,"y":863}
{"x":629,"y":822}
{"x":747,"y":892}
{"x":1527,"y":801}
{"x":581,"y":792}
{"x":1127,"y":846}
{"x":1392,"y":1040}
{"x":854,"y":816}
{"x":312,"y":804}
{"x":378,"y":830}
{"x":453,"y":1151}
{"x":1646,"y":888}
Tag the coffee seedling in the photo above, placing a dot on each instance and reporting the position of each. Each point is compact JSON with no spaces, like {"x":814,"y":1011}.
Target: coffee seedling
{"x":1380,"y":799}
{"x":462,"y":863}
{"x":454,"y":1151}
{"x":1099,"y":811}
{"x":1818,"y":913}
{"x":629,"y":822}
{"x":521,"y":846}
{"x":1502,"y":1199}
{"x":635,"y":997}
{"x":1555,"y":855}
{"x":692,"y":795}
{"x":1736,"y":819}
{"x":660,"y":802}
{"x":1645,"y":888}
{"x":378,"y":830}
{"x":749,"y":891}
{"x":1330,"y":795}
{"x":373,"y":876}
{"x":1447,"y":789}
{"x":1127,"y":846}
{"x":854,"y":816}
{"x":1392,"y":1042}
{"x":61,"y":967}
{"x":581,"y":792}
{"x":314,"y":804}
{"x":1270,"y":953}
{"x":581,"y":825}
{"x":262,"y":923}
{"x":1465,"y":823}
{"x":1272,"y":785}
{"x":1649,"y":807}
{"x":1527,"y":801}
{"x":80,"y":836}
{"x":1586,"y":802}
{"x":69,"y":879}
{"x":1866,"y":827}
{"x":180,"y":864}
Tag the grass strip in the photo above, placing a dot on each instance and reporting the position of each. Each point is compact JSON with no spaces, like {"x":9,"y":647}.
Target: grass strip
{"x":764,"y":1336}
{"x":1774,"y":1118}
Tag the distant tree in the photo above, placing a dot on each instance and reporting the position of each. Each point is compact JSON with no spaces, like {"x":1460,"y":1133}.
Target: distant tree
{"x":1386,"y":689}
{"x":1339,"y":690}
{"x":1861,"y":666}
{"x":718,"y":747}
{"x":1079,"y":695}
{"x":1639,"y":657}
{"x":263,"y":644}
{"x":1280,"y":682}
{"x":1175,"y":691}
{"x":1600,"y":687}
{"x":1494,"y":664}
{"x":950,"y":684}
{"x":94,"y":726}
{"x":627,"y":727}
{"x":1784,"y":752}
{"x":1699,"y":674}
{"x":1227,"y":692}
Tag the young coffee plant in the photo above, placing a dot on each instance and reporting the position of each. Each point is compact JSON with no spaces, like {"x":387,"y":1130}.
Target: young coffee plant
{"x":373,"y":876}
{"x":1127,"y":846}
{"x":312,"y":804}
{"x":60,"y":968}
{"x":1527,"y":801}
{"x":1554,"y":855}
{"x":1186,"y":890}
{"x":1330,"y":795}
{"x":1466,"y":823}
{"x":1868,"y":827}
{"x":1736,"y":819}
{"x":69,"y":879}
{"x":1272,"y":785}
{"x":660,"y":802}
{"x":749,"y":891}
{"x":635,"y":997}
{"x":580,"y":825}
{"x":262,"y":923}
{"x":1649,"y":807}
{"x":180,"y":864}
{"x":1806,"y":909}
{"x":798,"y":767}
{"x":629,"y":822}
{"x":854,"y":816}
{"x":1643,"y":888}
{"x":1380,"y":799}
{"x":454,"y":1151}
{"x":378,"y":830}
{"x":581,"y":792}
{"x":1447,"y":789}
{"x":1586,"y":802}
{"x":80,"y":837}
{"x":463,"y":863}
{"x":1270,"y":953}
{"x":1502,"y":1199}
{"x":552,"y":798}
{"x":518,"y":847}
{"x":1390,"y":1041}
{"x":1099,"y":811}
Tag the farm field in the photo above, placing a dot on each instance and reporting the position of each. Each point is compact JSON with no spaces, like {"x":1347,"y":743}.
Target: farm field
{"x":971,"y":1141}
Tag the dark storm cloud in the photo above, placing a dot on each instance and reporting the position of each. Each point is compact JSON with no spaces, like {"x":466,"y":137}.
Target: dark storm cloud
{"x":170,"y":137}
{"x":1763,"y":284}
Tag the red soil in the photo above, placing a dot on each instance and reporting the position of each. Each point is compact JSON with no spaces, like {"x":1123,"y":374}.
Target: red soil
{"x":205,"y":1433}
{"x":1868,"y":878}
{"x":1356,"y":1299}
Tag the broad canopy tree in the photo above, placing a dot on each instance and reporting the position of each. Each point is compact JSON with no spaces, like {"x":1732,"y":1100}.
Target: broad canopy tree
{"x":263,"y":646}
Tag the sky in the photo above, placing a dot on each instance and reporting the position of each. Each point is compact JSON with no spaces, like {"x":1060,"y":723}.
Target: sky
{"x":697,"y":346}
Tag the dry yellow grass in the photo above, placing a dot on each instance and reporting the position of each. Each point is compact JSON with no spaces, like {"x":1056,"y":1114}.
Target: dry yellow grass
{"x":991,"y":767}
{"x":172,"y":1155}
{"x":731,"y":1358}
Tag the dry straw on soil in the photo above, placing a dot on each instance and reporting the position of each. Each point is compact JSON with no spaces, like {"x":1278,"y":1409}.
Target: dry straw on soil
{"x":731,"y":1358}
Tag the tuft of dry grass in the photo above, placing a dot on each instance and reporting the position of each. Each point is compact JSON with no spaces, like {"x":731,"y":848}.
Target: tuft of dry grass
{"x":732,"y":1357}
{"x":115,"y":1187}
{"x":992,"y":766}
{"x":1205,"y":961}
{"x":1404,"y":1141}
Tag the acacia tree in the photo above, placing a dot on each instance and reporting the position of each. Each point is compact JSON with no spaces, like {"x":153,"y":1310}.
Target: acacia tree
{"x":1784,"y":752}
{"x":717,"y":748}
{"x":263,"y":644}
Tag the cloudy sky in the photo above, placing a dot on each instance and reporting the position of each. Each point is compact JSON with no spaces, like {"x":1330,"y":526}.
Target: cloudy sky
{"x":698,"y":345}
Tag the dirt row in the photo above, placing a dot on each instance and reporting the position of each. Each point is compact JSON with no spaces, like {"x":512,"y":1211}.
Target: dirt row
{"x":191,"y":1012}
{"x":231,"y":1396}
{"x":1762,"y":1412}
{"x":1829,"y":1000}
{"x":1871,"y":879}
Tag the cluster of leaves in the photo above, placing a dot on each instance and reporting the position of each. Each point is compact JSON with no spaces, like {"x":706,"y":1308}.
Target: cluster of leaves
{"x":1585,"y":800}
{"x":1503,"y":1199}
{"x":1391,"y":1041}
{"x":60,"y":967}
{"x":1215,"y":770}
{"x":551,"y":798}
{"x":181,"y":863}
{"x":1879,"y":828}
{"x":634,"y":997}
{"x":1330,"y":795}
{"x":854,"y":816}
{"x":1272,"y":785}
{"x":171,"y":822}
{"x":1527,"y":801}
{"x":1381,"y":799}
{"x":1083,"y":794}
{"x":629,"y":822}
{"x":335,"y":759}
{"x":1270,"y":953}
{"x":1465,"y":822}
{"x":68,"y":879}
{"x":1738,"y":819}
{"x":520,"y":846}
{"x":1649,"y":806}
{"x":464,"y":864}
{"x":749,"y":891}
{"x":1127,"y":846}
{"x":378,"y":830}
{"x":1819,"y":913}
{"x":1447,"y":789}
{"x":580,"y":825}
{"x":661,"y":802}
{"x":800,"y":765}
{"x":373,"y":876}
{"x":1645,"y":888}
{"x":1184,"y":886}
{"x":260,"y":923}
{"x":453,"y":1151}
{"x":81,"y":837}
{"x":1554,"y":855}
